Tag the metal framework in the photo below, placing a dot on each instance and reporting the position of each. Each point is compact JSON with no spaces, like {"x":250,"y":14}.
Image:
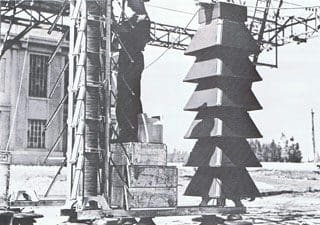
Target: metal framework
{"x":270,"y":26}
{"x":273,"y":27}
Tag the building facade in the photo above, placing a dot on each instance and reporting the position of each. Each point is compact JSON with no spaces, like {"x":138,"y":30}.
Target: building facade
{"x":27,"y":101}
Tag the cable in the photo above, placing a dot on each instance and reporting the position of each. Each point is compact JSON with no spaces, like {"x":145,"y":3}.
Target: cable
{"x":287,"y":8}
{"x":299,"y":7}
{"x":169,"y":9}
{"x":165,"y":51}
{"x":272,"y":8}
{"x":158,"y":58}
{"x":290,"y":3}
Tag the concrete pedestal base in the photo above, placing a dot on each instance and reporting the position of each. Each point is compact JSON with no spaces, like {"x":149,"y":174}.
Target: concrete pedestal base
{"x":146,"y":221}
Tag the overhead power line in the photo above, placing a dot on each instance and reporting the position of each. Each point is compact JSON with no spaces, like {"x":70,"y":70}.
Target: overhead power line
{"x":298,"y":7}
{"x":165,"y":51}
{"x":169,"y":9}
{"x":288,"y":8}
{"x":290,"y":3}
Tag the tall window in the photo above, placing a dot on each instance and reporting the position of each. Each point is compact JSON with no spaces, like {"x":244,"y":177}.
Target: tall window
{"x":36,"y":133}
{"x":38,"y":76}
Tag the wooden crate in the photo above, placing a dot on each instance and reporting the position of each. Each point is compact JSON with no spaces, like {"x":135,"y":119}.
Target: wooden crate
{"x":153,"y":198}
{"x":149,"y":186}
{"x":139,"y":154}
{"x":146,"y":176}
{"x":138,"y":198}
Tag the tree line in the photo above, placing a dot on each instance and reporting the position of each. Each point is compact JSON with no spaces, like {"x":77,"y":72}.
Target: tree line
{"x":286,"y":150}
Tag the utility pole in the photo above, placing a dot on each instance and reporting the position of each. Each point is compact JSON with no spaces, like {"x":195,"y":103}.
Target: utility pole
{"x":315,"y":158}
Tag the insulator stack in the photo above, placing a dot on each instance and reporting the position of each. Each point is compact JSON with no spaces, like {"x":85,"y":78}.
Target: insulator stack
{"x":92,"y":106}
{"x":223,"y":96}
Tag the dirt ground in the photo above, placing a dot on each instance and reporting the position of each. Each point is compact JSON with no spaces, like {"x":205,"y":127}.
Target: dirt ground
{"x":299,"y":202}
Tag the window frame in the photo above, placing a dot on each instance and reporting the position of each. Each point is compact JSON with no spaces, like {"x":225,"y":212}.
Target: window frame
{"x":48,"y":76}
{"x":43,"y":141}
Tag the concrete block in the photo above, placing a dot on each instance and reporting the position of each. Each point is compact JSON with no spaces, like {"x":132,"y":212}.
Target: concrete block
{"x":146,"y":221}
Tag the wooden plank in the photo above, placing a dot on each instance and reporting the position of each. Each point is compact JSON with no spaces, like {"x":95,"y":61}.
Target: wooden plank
{"x":179,"y":211}
{"x":153,"y":198}
{"x":22,"y":215}
{"x":147,"y":176}
{"x":42,"y":202}
{"x":145,"y":197}
{"x":140,"y":154}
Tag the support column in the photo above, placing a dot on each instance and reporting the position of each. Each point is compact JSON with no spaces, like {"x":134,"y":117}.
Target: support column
{"x":224,"y":75}
{"x":146,"y":221}
{"x":5,"y":119}
{"x":107,"y":88}
{"x":4,"y":179}
{"x":70,"y":103}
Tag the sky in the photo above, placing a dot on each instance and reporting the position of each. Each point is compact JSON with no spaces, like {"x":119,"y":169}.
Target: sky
{"x":287,"y":93}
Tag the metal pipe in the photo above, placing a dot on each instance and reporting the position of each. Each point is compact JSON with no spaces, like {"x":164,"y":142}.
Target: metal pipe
{"x":70,"y":102}
{"x":54,"y":53}
{"x":61,"y":74}
{"x":108,"y":58}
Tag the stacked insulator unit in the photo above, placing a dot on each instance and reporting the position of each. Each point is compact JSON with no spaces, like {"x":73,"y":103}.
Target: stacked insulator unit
{"x":224,"y":76}
{"x":92,"y":103}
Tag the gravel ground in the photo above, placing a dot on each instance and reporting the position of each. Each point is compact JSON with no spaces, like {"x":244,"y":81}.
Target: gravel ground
{"x":300,"y":207}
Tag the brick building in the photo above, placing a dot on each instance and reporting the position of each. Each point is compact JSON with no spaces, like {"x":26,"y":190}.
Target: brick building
{"x":27,"y":77}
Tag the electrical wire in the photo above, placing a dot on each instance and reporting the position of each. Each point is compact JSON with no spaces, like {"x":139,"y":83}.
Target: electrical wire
{"x":169,"y":9}
{"x":290,"y":3}
{"x":254,"y":7}
{"x":170,"y":47}
{"x":287,"y":8}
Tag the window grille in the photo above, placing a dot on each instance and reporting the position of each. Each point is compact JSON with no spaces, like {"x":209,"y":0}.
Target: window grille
{"x":38,"y":76}
{"x":36,"y":133}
